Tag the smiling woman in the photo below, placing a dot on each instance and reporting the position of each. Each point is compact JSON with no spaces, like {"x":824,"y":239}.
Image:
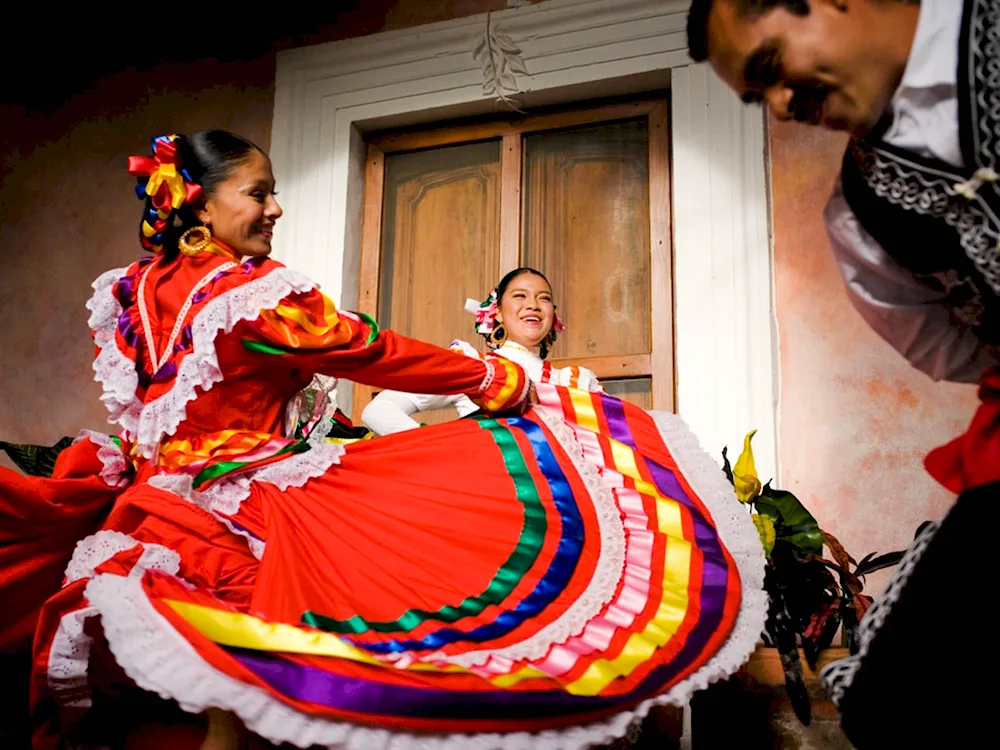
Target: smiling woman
{"x":201,"y":347}
{"x":518,"y":321}
{"x":225,"y":189}
{"x":243,"y":210}
{"x":526,"y":311}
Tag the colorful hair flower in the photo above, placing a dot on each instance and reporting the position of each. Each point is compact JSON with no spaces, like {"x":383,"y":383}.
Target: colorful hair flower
{"x":162,"y":179}
{"x":486,"y":313}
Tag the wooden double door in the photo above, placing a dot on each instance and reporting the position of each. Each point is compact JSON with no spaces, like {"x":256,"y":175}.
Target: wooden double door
{"x":582,"y":195}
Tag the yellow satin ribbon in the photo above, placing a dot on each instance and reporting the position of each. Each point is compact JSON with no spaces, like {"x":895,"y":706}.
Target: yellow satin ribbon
{"x":241,"y":630}
{"x":246,"y":631}
{"x":586,"y":417}
{"x":511,"y":381}
{"x":224,"y":445}
{"x":330,"y":317}
{"x":296,"y":324}
{"x":346,"y":441}
{"x":167,"y":173}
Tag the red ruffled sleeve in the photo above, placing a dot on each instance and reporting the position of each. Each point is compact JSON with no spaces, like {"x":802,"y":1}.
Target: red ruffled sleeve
{"x":307,"y":329}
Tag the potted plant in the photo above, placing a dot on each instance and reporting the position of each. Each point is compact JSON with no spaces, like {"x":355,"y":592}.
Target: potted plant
{"x":812,"y":596}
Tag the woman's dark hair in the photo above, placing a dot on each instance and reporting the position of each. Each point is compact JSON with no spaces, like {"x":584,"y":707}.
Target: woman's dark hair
{"x":509,"y":277}
{"x":208,"y":158}
{"x":501,"y":288}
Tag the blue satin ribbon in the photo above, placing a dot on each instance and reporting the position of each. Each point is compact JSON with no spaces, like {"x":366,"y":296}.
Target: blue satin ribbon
{"x":548,"y":588}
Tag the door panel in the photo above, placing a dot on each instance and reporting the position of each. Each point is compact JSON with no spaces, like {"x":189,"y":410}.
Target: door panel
{"x":586,"y":226}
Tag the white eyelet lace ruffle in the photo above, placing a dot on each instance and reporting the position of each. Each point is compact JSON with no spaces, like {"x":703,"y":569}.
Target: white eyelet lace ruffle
{"x":117,"y":470}
{"x":69,"y":653}
{"x":112,"y":369}
{"x":223,"y":499}
{"x":93,"y":551}
{"x":226,"y":495}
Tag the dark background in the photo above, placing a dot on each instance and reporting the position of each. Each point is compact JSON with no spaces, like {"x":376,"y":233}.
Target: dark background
{"x":49,"y":53}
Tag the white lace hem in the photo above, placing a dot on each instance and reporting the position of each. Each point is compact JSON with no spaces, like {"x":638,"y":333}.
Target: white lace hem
{"x":158,"y":659}
{"x":838,"y":676}
{"x":737,"y":532}
{"x":117,"y":470}
{"x":199,"y":369}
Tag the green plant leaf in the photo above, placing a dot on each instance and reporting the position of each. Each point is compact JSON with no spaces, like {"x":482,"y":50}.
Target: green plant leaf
{"x":870,"y":565}
{"x":35,"y":460}
{"x":838,"y":551}
{"x":780,"y":626}
{"x":765,"y":528}
{"x":796,"y":525}
{"x":727,"y":469}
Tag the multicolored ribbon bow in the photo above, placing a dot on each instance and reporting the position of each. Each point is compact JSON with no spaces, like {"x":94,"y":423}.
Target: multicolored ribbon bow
{"x":163,"y":178}
{"x":485,"y":312}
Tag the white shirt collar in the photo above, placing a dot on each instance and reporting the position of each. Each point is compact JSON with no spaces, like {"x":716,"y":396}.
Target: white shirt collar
{"x":933,"y":59}
{"x":924,"y":108}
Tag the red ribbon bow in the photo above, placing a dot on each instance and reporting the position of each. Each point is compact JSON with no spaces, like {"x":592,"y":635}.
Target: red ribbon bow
{"x":165,"y":184}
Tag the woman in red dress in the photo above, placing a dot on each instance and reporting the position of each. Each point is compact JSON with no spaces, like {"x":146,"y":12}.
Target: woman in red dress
{"x":524,"y":580}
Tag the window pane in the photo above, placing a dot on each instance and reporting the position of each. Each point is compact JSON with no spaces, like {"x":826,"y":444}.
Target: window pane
{"x":636,"y":391}
{"x":586,"y":227}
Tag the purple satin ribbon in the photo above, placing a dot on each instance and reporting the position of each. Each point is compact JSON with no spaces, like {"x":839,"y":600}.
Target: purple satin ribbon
{"x":340,"y":692}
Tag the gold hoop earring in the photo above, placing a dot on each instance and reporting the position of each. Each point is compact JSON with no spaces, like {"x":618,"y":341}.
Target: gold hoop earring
{"x":192,"y":247}
{"x":498,"y":336}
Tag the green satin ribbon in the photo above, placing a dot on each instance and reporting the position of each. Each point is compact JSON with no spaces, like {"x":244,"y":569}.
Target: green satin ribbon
{"x":256,"y":346}
{"x":213,"y":472}
{"x":372,"y":324}
{"x":529,"y":545}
